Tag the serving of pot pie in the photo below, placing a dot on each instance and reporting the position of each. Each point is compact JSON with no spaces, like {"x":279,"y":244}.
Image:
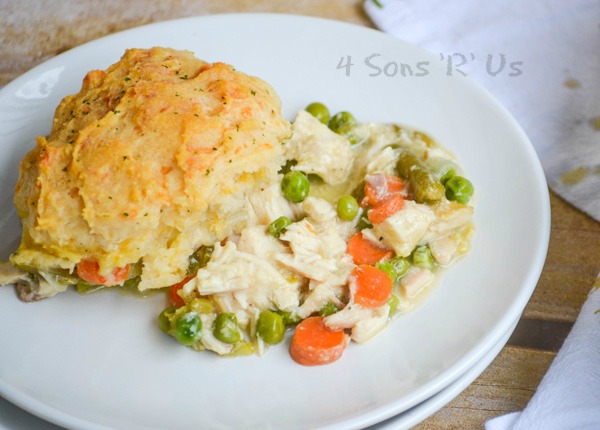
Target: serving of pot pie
{"x":168,"y":172}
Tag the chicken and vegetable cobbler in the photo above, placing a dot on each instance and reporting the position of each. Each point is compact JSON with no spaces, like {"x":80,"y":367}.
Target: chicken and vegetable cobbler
{"x":167,"y":172}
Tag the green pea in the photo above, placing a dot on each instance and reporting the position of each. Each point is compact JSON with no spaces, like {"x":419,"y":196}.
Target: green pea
{"x":279,"y":226}
{"x":400,"y":265}
{"x":226,"y":328}
{"x":421,"y":257}
{"x":164,"y":319}
{"x":459,"y":189}
{"x":187,"y":328}
{"x":348,"y":131}
{"x":270,"y":327}
{"x":449,"y":174}
{"x":289,"y":318}
{"x":347,"y":208}
{"x":328,"y":309}
{"x":319,"y":111}
{"x":395,"y":267}
{"x":340,"y":120}
{"x":295,"y":186}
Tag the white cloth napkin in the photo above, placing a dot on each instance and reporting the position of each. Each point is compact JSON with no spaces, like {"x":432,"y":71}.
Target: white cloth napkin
{"x":569,"y":395}
{"x":540,"y":58}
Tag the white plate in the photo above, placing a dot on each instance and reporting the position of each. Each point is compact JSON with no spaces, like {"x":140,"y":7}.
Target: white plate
{"x":12,"y":417}
{"x":100,"y":362}
{"x":425,"y":409}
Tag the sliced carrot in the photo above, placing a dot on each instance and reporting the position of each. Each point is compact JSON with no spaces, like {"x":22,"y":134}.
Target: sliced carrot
{"x":314,"y":343}
{"x":174,"y":297}
{"x":89,"y":271}
{"x":391,"y":206}
{"x":373,"y":286}
{"x":364,"y":251}
{"x":379,"y":188}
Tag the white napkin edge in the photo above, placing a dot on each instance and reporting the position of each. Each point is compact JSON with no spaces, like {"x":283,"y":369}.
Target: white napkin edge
{"x":565,"y":370}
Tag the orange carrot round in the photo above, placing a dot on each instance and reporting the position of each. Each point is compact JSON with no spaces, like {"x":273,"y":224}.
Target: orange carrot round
{"x":391,"y":206}
{"x":373,"y":286}
{"x":89,"y":271}
{"x":314,"y":343}
{"x":364,"y":251}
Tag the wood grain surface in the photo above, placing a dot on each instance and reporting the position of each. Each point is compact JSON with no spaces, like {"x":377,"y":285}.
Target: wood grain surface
{"x":32,"y":31}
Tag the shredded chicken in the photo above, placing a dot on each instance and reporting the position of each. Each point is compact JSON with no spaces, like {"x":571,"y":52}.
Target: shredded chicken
{"x":319,"y":150}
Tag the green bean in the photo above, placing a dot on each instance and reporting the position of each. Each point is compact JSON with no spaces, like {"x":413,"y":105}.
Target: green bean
{"x":132,"y":284}
{"x":319,"y":111}
{"x":347,"y":208}
{"x":83,"y":287}
{"x":279,"y":226}
{"x":199,"y":259}
{"x":424,"y":186}
{"x":407,"y":161}
{"x":270,"y":327}
{"x":226,"y":328}
{"x":295,"y":186}
{"x":459,"y":189}
{"x":364,"y":222}
{"x":188,"y":328}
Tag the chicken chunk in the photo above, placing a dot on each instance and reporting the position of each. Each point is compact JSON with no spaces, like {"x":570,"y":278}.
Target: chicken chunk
{"x":384,"y":161}
{"x":257,"y":241}
{"x":444,"y":249}
{"x":319,"y":150}
{"x":449,"y":217}
{"x":364,"y":322}
{"x":253,"y":280}
{"x":316,"y":256}
{"x":268,"y":204}
{"x":405,"y":229}
{"x":415,"y":281}
{"x":324,"y":217}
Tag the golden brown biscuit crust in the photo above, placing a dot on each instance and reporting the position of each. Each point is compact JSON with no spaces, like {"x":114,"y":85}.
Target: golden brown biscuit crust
{"x":146,"y":162}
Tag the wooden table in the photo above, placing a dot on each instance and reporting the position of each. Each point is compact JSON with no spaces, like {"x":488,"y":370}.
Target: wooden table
{"x":32,"y":31}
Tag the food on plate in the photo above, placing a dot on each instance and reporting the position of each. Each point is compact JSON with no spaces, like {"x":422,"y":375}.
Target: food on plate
{"x":152,"y":159}
{"x":359,"y":225}
{"x":166,"y":172}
